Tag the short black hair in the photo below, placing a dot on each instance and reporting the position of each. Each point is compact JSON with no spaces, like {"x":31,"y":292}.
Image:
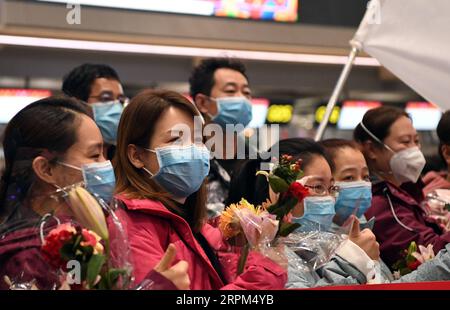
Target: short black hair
{"x":79,"y":81}
{"x":201,"y":80}
{"x":443,"y":132}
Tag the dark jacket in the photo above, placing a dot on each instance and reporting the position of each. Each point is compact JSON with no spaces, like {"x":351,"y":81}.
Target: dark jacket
{"x":394,"y":237}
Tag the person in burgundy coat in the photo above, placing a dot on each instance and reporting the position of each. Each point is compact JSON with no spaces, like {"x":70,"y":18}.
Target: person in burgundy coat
{"x":392,"y":150}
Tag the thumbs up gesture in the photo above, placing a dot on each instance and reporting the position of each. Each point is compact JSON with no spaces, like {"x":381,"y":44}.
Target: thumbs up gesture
{"x":365,"y":239}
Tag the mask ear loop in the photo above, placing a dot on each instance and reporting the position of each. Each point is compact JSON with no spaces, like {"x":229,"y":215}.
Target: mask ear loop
{"x":395,"y":215}
{"x":44,"y":220}
{"x":379,"y":141}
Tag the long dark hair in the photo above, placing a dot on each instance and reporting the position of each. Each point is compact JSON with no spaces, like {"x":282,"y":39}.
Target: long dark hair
{"x":46,"y":127}
{"x":255,"y":189}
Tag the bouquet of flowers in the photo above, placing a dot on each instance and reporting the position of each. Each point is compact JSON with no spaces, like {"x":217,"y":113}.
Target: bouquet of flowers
{"x":437,"y":208}
{"x":81,"y":249}
{"x":258,"y":227}
{"x":284,"y":181}
{"x":412,"y":258}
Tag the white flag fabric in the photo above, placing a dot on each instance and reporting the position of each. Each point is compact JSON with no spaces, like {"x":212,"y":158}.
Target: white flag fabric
{"x":411,"y":38}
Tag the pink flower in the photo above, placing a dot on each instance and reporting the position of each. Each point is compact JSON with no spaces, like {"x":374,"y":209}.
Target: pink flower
{"x":91,"y":239}
{"x":424,"y":254}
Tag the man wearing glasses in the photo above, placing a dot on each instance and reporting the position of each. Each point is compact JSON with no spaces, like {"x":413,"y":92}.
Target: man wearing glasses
{"x":99,"y":86}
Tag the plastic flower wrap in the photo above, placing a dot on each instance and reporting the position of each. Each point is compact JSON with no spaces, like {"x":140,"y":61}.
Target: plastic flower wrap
{"x":248,"y":226}
{"x":413,"y":257}
{"x":437,"y":208}
{"x":68,"y":241}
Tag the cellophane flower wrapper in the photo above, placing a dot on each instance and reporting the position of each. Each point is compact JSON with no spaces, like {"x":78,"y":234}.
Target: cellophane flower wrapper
{"x":314,"y":248}
{"x":32,"y":239}
{"x":437,"y":208}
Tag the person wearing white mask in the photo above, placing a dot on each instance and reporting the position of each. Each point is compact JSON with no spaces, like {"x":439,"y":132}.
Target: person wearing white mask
{"x":391,"y":147}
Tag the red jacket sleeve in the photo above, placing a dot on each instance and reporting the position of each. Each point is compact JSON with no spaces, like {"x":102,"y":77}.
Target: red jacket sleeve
{"x":146,"y":246}
{"x":260,"y":273}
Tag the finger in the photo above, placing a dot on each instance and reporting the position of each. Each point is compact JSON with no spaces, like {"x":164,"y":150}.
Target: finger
{"x":355,"y":230}
{"x":167,"y":259}
{"x":182,"y":266}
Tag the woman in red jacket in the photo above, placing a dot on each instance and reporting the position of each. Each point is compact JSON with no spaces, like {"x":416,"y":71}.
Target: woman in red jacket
{"x":45,"y":144}
{"x":160,"y":175}
{"x":392,"y":150}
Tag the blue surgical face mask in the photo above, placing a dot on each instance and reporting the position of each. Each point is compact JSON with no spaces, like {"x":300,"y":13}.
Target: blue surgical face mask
{"x":107,"y":117}
{"x":318,"y":213}
{"x":233,"y":110}
{"x":98,"y":178}
{"x":182,"y":169}
{"x":352,"y":195}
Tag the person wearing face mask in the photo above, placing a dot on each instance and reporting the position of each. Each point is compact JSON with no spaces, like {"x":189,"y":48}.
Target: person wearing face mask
{"x":221,"y":92}
{"x":351,"y":176}
{"x":99,"y":86}
{"x":440,"y":179}
{"x":316,"y":257}
{"x":51,"y":144}
{"x":161,"y":174}
{"x":391,"y":148}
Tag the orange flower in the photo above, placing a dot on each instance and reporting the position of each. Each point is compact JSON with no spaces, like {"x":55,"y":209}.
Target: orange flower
{"x":229,"y":223}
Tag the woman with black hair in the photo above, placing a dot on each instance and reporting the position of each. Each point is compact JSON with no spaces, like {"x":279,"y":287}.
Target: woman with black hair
{"x":391,"y":147}
{"x":320,"y":258}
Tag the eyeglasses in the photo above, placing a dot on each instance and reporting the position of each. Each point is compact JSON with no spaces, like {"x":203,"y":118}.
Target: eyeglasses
{"x":321,"y":189}
{"x":107,"y":97}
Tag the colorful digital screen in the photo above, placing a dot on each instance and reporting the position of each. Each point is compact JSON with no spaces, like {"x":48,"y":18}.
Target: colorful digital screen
{"x":273,"y":10}
{"x":14,"y":100}
{"x":424,"y":115}
{"x":352,"y":113}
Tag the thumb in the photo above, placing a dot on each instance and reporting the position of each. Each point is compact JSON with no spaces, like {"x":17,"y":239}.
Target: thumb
{"x":355,"y":230}
{"x":167,"y":259}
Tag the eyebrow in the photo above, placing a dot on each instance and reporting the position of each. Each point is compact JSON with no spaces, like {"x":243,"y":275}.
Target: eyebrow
{"x":95,"y":146}
{"x":352,"y":168}
{"x":235,"y":84}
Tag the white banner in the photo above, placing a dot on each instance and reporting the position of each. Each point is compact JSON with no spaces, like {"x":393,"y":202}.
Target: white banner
{"x":411,"y":38}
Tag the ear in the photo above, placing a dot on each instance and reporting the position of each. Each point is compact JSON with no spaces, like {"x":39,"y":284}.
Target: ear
{"x":134,"y":156}
{"x":369,"y":149}
{"x":445,"y":149}
{"x":202,"y":102}
{"x":44,"y":170}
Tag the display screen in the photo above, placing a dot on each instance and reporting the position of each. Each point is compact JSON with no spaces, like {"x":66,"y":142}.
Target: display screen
{"x":273,"y":10}
{"x":260,"y":107}
{"x":424,"y":115}
{"x":14,"y":100}
{"x":352,"y":112}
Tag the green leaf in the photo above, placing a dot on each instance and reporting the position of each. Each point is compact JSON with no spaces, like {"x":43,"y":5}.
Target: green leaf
{"x":287,"y":228}
{"x":93,"y":269}
{"x":66,"y":252}
{"x":277,"y":184}
{"x":447,"y":206}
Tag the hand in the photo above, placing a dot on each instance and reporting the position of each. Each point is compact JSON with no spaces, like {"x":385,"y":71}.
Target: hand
{"x":365,"y":239}
{"x":178,"y":273}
